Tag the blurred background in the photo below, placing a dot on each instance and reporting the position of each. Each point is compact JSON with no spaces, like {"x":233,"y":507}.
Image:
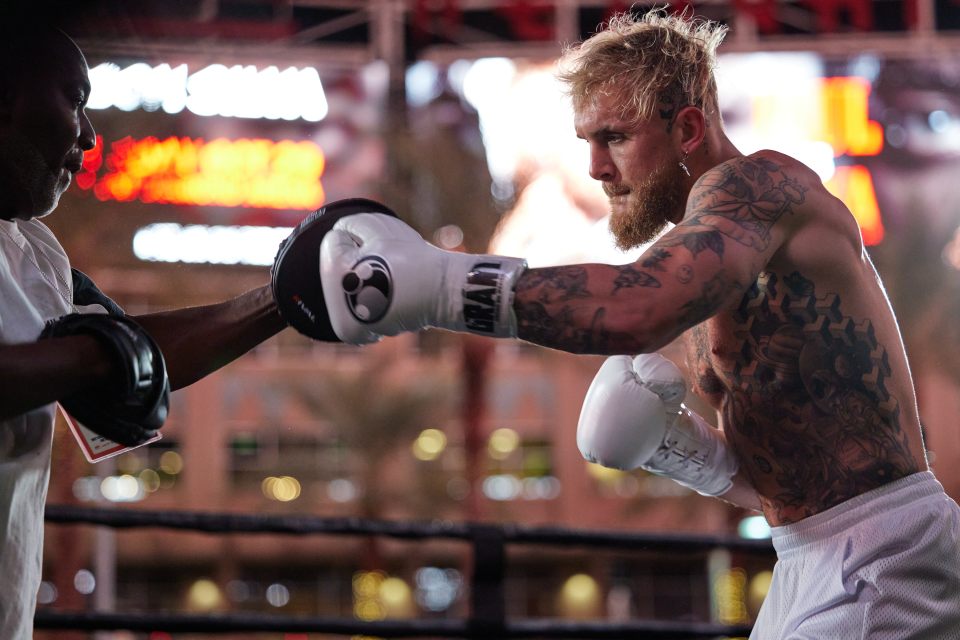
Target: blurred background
{"x":222,"y":123}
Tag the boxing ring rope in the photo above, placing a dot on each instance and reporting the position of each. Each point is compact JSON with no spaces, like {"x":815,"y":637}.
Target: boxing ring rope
{"x":487,"y":617}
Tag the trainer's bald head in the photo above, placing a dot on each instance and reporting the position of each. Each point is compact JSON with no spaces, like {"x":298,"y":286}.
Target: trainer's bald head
{"x":35,"y":51}
{"x":44,"y":82}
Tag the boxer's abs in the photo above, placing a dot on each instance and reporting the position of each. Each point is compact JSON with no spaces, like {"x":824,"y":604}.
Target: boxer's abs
{"x":810,"y":397}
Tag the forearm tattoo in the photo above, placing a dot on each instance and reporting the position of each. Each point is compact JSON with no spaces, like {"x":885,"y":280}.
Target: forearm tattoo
{"x":739,"y":201}
{"x":546,"y":302}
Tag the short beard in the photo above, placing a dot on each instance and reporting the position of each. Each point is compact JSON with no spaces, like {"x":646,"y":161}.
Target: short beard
{"x":31,"y":187}
{"x":656,"y":201}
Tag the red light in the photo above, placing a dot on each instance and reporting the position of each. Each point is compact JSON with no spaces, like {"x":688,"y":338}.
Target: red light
{"x":254,"y":173}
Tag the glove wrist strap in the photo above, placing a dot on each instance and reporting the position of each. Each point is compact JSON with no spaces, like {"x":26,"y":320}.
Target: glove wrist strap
{"x":483,"y":301}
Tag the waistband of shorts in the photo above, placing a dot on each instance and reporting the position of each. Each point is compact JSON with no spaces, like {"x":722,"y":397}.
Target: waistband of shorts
{"x":841,"y":517}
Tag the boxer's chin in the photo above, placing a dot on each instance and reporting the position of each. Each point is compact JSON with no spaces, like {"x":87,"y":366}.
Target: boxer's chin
{"x":650,"y":206}
{"x":630,"y":229}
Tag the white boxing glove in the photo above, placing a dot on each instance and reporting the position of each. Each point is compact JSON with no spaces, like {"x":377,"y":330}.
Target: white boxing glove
{"x":381,"y":278}
{"x":633,"y":417}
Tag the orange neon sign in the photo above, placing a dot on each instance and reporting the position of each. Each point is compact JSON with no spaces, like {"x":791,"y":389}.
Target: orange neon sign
{"x":846,"y":126}
{"x":833,"y":110}
{"x":854,"y":185}
{"x":246,"y":172}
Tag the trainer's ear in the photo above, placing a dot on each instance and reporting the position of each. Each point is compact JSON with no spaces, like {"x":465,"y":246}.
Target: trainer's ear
{"x":690,"y":128}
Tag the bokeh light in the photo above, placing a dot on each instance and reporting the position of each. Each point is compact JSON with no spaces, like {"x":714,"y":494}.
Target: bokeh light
{"x":429,"y":444}
{"x":502,"y":443}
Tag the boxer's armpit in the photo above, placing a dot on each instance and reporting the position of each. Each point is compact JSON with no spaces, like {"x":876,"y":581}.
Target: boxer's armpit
{"x":708,"y":300}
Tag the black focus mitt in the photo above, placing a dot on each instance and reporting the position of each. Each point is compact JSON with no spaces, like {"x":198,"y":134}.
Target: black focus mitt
{"x":295,"y":275}
{"x":131,"y":407}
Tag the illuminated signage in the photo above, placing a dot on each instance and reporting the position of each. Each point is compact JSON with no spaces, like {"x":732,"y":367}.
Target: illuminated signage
{"x":215,"y":90}
{"x":197,"y":243}
{"x":255,"y":173}
{"x":833,"y":111}
{"x":849,"y":130}
{"x":854,"y":186}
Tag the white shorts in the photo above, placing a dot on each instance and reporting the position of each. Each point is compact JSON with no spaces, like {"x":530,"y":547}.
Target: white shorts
{"x":884,"y":565}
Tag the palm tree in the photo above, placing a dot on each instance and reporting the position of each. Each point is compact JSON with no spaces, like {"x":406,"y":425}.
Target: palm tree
{"x":375,"y":410}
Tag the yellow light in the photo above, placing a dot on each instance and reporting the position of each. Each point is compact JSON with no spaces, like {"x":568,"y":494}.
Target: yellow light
{"x":171,"y":462}
{"x":759,"y":587}
{"x":396,"y":598}
{"x":604,"y":475}
{"x":288,"y":488}
{"x":367,"y":583}
{"x":266,"y":487}
{"x":204,"y":595}
{"x":580,"y":596}
{"x":369,"y":610}
{"x":580,"y":588}
{"x":150,"y":480}
{"x":366,"y":595}
{"x":429,"y":444}
{"x":282,"y":489}
{"x":502,"y":443}
{"x":730,"y":591}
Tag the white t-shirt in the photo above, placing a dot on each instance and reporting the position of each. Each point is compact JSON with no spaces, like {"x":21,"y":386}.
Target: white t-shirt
{"x":35,"y":286}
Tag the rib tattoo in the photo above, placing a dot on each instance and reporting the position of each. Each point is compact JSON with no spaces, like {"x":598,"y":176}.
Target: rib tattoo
{"x":808,"y":401}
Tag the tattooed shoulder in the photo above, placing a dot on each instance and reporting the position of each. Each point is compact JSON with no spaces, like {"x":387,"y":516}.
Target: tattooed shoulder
{"x":738,"y":201}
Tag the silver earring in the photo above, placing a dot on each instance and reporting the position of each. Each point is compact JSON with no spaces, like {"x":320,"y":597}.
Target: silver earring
{"x":684,"y":166}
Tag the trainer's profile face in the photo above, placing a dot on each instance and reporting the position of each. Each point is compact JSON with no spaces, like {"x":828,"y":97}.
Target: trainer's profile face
{"x":44,"y":129}
{"x":637,"y":166}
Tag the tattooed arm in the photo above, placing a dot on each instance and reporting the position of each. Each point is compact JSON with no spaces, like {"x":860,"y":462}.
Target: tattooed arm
{"x":735,"y":221}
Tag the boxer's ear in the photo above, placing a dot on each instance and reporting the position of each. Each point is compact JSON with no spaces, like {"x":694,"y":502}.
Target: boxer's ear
{"x":690,"y":128}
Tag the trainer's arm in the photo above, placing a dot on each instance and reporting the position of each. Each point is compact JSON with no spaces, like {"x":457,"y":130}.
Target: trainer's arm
{"x":199,"y":340}
{"x":737,"y":217}
{"x":34,"y":374}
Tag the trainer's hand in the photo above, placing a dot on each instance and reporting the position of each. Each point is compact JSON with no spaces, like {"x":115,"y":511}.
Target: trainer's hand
{"x":633,"y":417}
{"x":133,"y":404}
{"x":380,"y":278}
{"x":295,"y":274}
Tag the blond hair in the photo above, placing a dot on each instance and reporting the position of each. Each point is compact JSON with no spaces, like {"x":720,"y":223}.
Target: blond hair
{"x":656,"y":64}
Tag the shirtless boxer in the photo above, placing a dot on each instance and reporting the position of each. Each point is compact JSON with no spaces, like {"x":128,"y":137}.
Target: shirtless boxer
{"x":793,"y":340}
